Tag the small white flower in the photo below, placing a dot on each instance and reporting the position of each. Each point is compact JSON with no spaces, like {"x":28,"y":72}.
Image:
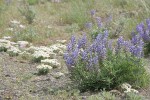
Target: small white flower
{"x":15,"y":22}
{"x":22,"y":26}
{"x":23,"y":44}
{"x":43,"y":66}
{"x":38,"y":54}
{"x":7,"y":37}
{"x":10,"y":29}
{"x":51,"y":62}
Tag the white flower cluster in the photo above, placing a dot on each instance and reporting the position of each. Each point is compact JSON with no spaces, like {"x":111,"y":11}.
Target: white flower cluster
{"x":23,"y":44}
{"x":5,"y":43}
{"x":38,"y":54}
{"x":46,"y":55}
{"x":52,"y":62}
{"x":128,"y":88}
{"x":43,"y":66}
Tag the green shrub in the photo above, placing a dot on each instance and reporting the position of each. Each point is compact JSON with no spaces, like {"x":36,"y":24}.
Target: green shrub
{"x":115,"y":71}
{"x":97,"y":66}
{"x":28,"y":34}
{"x":32,"y":2}
{"x":43,"y":71}
{"x":3,"y":49}
{"x":77,"y":13}
{"x":134,"y":96}
{"x":102,"y":96}
{"x":28,"y":13}
{"x":147,"y":49}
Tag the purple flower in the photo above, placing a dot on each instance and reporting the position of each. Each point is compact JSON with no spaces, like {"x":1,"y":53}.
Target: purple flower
{"x":140,"y":28}
{"x":71,"y":45}
{"x":93,"y":12}
{"x":135,"y":39}
{"x":82,"y":42}
{"x":99,"y":23}
{"x":120,"y":44}
{"x":69,"y":60}
{"x":136,"y":46}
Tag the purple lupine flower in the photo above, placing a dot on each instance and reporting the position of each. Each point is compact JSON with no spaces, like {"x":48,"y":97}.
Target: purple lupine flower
{"x":84,"y":55}
{"x":136,"y":51}
{"x":99,"y":23}
{"x":71,"y":45}
{"x":140,"y":28}
{"x":105,"y":37}
{"x":136,"y":46}
{"x":88,"y":25}
{"x":93,"y":12}
{"x":69,"y":60}
{"x":135,"y":39}
{"x":73,"y":40}
{"x":92,"y":61}
{"x":146,"y":35}
{"x":82,"y":42}
{"x":120,"y":43}
{"x":127,"y":45}
{"x":75,"y":53}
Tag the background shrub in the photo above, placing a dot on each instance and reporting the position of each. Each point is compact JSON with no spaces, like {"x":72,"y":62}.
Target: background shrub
{"x":28,"y":13}
{"x":77,"y":13}
{"x":32,"y":2}
{"x":29,"y":34}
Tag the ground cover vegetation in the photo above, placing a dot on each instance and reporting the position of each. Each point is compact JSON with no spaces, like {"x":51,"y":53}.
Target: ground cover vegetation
{"x":75,"y":49}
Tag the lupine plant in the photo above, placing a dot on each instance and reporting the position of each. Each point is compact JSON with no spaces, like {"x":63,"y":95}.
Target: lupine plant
{"x":96,"y":26}
{"x":100,"y":65}
{"x":144,"y":32}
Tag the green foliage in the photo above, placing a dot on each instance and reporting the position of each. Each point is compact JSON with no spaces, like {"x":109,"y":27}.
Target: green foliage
{"x":3,"y":49}
{"x":102,"y":96}
{"x":43,"y":71}
{"x":77,"y":13}
{"x":28,"y":13}
{"x":37,"y":60}
{"x":134,"y":96}
{"x":147,"y":49}
{"x":28,"y":34}
{"x":32,"y":2}
{"x":112,"y":72}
